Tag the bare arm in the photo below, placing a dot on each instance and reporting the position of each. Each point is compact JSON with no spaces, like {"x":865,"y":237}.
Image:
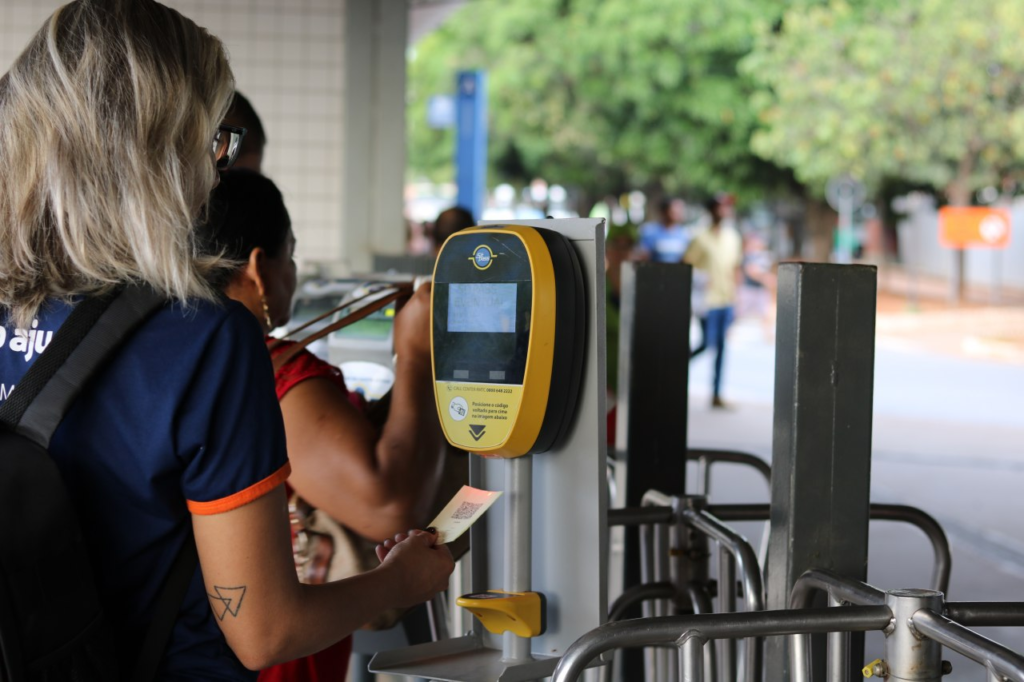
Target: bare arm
{"x":694,"y":254}
{"x":376,"y":486}
{"x":267,"y":616}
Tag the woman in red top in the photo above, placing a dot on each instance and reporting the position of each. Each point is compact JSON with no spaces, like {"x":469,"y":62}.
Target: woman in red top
{"x":376,"y":484}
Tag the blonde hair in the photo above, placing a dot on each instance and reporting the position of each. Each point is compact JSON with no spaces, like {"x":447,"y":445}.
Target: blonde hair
{"x":106,"y":125}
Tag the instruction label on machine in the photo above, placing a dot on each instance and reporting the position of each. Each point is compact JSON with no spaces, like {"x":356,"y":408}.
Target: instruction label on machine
{"x":478,"y":415}
{"x":468,"y":505}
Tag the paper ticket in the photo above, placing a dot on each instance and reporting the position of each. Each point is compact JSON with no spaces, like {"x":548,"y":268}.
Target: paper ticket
{"x":468,"y":505}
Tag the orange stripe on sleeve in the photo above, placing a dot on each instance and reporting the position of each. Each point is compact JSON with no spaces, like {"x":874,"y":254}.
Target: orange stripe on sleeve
{"x":242,"y":497}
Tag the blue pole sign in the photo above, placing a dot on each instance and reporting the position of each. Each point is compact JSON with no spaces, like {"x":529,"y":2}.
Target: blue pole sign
{"x":471,"y":140}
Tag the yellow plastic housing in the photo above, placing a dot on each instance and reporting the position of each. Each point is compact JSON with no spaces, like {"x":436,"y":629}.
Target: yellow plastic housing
{"x":521,"y":613}
{"x":514,"y":413}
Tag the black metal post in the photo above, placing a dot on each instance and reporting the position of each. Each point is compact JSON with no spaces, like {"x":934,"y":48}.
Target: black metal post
{"x":821,"y":450}
{"x":654,"y":360}
{"x":652,"y":399}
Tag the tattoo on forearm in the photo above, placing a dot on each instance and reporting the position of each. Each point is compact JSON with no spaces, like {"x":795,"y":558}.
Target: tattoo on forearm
{"x":227,"y":600}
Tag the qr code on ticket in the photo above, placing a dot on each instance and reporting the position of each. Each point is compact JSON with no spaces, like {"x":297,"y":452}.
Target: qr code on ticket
{"x":466,"y":511}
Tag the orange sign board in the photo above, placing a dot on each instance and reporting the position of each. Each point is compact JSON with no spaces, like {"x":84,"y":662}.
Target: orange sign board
{"x":965,"y":227}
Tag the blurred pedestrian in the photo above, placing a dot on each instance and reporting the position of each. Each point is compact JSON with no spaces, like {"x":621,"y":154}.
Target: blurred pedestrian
{"x":665,"y":240}
{"x":450,"y":221}
{"x":717,"y":251}
{"x":756,"y":295}
{"x":242,"y":114}
{"x":699,"y":308}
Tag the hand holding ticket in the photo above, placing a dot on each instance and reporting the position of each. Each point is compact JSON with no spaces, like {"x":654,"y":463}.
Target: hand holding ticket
{"x":468,"y":505}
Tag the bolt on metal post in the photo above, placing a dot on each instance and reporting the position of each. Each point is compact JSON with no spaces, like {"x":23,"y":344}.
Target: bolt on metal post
{"x":909,"y":655}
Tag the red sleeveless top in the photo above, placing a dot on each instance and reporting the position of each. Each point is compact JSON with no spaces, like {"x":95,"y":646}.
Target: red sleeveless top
{"x":331,"y":664}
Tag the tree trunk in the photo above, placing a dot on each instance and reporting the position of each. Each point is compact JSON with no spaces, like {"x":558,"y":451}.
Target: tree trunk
{"x":958,"y":193}
{"x":819,"y":232}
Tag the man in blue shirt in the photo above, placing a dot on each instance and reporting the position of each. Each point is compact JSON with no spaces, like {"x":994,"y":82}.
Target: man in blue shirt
{"x":665,"y":240}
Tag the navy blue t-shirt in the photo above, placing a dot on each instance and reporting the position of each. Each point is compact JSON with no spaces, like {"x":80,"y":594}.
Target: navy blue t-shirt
{"x":182,"y":420}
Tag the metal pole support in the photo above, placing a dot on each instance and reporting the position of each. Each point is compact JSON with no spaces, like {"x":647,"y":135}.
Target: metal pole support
{"x":821,"y":450}
{"x":691,"y":657}
{"x":908,"y":655}
{"x":652,"y":400}
{"x":839,"y":662}
{"x":518,"y":544}
{"x":726,"y":604}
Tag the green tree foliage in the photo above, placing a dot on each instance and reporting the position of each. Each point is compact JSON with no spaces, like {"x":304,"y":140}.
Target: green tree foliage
{"x":929,"y":91}
{"x":603,"y":94}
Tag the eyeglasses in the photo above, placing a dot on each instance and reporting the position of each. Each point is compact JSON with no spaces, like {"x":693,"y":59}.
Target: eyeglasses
{"x":227,"y":141}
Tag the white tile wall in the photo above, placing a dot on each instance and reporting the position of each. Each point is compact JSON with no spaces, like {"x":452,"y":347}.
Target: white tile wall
{"x":288,"y":59}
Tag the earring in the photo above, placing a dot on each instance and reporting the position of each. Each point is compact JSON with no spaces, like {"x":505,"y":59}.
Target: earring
{"x":266,"y":312}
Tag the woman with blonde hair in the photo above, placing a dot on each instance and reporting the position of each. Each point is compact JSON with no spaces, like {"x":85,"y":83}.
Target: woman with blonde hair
{"x":109,"y":147}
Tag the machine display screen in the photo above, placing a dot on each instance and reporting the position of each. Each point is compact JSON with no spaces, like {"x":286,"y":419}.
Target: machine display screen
{"x":488,"y":308}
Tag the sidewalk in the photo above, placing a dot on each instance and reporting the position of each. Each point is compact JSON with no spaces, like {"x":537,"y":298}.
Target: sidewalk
{"x":978,"y":328}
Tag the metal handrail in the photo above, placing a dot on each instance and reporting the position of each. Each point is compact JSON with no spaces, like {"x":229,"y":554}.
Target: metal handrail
{"x":839,"y":655}
{"x":994,"y":656}
{"x":655,"y":631}
{"x":639,"y":516}
{"x":655,"y":566}
{"x":838,"y":588}
{"x":706,"y":457}
{"x":741,"y":512}
{"x":819,"y":579}
{"x":931,"y":528}
{"x":879,"y":512}
{"x":742,"y":552}
{"x":749,"y":572}
{"x":986,"y":613}
{"x":699,"y":599}
{"x":638,"y":594}
{"x":657,"y":499}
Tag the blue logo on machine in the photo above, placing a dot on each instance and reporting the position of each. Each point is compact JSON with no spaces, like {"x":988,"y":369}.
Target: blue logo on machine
{"x":482,"y":257}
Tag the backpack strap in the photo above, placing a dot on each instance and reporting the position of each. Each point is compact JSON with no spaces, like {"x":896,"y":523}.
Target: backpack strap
{"x":90,"y":335}
{"x":165,"y":614}
{"x":87,"y":338}
{"x":70,"y":334}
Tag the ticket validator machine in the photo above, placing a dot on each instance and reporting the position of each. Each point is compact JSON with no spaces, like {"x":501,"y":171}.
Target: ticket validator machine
{"x":507,"y":339}
{"x":519,"y":380}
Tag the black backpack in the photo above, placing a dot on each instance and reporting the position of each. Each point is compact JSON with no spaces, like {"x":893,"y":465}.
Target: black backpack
{"x":52,"y":627}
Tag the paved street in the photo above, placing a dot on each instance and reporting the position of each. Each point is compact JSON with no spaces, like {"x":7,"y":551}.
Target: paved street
{"x":948,"y":438}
